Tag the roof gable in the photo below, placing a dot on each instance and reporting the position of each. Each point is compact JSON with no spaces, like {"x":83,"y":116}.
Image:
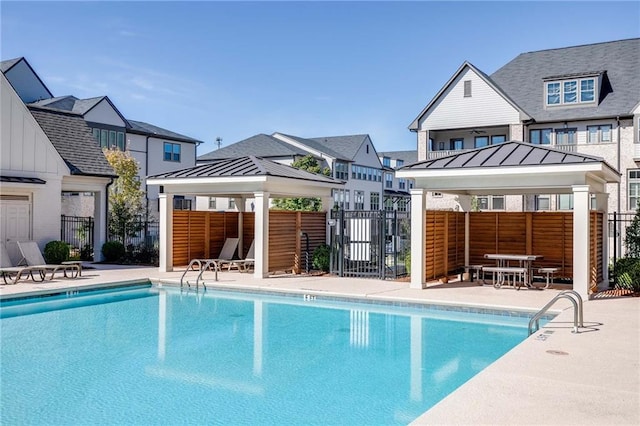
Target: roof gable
{"x":346,"y":146}
{"x":618,"y":62}
{"x":24,"y":80}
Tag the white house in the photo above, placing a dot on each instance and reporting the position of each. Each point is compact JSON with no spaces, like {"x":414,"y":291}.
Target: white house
{"x":44,"y":153}
{"x":583,"y":99}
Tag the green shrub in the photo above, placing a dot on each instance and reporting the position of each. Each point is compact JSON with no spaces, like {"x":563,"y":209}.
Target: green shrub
{"x":321,"y":258}
{"x":56,"y":252}
{"x":407,"y":262}
{"x":627,"y":271}
{"x":86,"y":253}
{"x":113,"y":251}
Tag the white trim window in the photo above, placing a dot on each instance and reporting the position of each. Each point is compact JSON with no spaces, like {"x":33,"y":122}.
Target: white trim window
{"x":491,"y":202}
{"x":212,"y":203}
{"x":566,"y":136}
{"x":570,"y":92}
{"x":633,"y":183}
{"x":599,"y":134}
{"x":540,"y":136}
{"x":564,"y":202}
{"x":358,"y":200}
{"x":172,"y":152}
{"x":374,"y":201}
{"x":543,"y":202}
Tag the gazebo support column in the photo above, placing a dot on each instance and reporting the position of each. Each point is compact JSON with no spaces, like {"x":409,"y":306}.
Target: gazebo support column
{"x":241,"y":206}
{"x":418,"y":212}
{"x":581,"y":267}
{"x":166,"y":232}
{"x":261,"y":242}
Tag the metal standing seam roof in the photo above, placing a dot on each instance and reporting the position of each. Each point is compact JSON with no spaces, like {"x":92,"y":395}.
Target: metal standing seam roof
{"x":507,"y":154}
{"x":242,"y":167}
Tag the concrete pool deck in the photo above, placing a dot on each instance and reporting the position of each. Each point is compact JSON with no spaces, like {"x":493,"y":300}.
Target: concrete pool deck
{"x":553,"y":377}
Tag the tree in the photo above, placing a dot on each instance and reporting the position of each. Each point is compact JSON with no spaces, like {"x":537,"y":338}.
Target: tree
{"x":632,"y":237}
{"x":310,"y":164}
{"x":126,"y":205}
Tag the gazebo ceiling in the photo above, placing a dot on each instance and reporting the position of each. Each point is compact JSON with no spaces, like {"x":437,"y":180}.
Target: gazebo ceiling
{"x":511,"y":168}
{"x":243,"y":177}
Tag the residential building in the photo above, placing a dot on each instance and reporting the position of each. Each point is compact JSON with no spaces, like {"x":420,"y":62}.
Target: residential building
{"x":352,"y":159}
{"x":43,"y":154}
{"x":157,"y":150}
{"x":396,"y":190}
{"x":583,"y":99}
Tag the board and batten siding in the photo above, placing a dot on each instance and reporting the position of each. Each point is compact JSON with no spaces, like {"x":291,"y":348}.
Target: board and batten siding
{"x":485,"y":106}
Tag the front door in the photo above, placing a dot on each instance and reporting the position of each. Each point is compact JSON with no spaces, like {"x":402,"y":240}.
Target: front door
{"x":15,"y":218}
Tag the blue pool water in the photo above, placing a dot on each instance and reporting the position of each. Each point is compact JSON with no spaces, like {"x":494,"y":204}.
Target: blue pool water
{"x":152,"y":355}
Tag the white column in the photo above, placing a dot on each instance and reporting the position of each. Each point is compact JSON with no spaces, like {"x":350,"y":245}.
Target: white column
{"x":464,"y":201}
{"x":166,"y":232}
{"x":261,"y":242}
{"x":99,"y":223}
{"x":241,"y":206}
{"x":581,"y":234}
{"x":602,"y":205}
{"x":418,"y":208}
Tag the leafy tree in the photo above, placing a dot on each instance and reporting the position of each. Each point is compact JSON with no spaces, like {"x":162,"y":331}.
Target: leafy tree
{"x":632,"y":239}
{"x":310,"y":164}
{"x":126,"y":205}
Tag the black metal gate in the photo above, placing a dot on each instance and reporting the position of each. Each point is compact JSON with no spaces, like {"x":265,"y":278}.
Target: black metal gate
{"x":78,"y":233}
{"x":618,"y":224}
{"x":370,"y":243}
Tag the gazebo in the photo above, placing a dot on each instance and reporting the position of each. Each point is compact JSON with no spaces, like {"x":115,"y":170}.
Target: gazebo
{"x":238,"y":178}
{"x":513,"y":168}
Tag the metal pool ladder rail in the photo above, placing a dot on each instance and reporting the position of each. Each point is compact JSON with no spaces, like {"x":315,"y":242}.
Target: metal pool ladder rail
{"x":576,"y":301}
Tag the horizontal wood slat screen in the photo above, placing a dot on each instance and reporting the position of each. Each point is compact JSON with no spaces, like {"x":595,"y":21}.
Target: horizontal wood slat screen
{"x":595,"y":250}
{"x":286,"y":245}
{"x":444,"y":243}
{"x":201,"y":234}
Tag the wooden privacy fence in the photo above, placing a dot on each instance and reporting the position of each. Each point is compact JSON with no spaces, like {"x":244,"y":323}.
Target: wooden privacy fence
{"x":549,"y":234}
{"x":201,"y":234}
{"x":444,"y":245}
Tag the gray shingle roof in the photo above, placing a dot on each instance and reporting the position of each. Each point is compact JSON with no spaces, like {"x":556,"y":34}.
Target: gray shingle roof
{"x":346,"y":146}
{"x":73,"y":140}
{"x":316,"y":146}
{"x":260,"y":145}
{"x":507,"y":154}
{"x":522,"y":78}
{"x":151,"y":130}
{"x":245,"y":166}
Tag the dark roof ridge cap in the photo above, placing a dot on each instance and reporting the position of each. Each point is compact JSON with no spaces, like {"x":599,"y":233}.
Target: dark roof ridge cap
{"x":580,"y":45}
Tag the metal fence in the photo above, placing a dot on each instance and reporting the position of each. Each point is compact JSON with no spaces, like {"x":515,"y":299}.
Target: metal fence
{"x":618,"y":224}
{"x":78,"y":233}
{"x":370,"y":243}
{"x":144,"y":238}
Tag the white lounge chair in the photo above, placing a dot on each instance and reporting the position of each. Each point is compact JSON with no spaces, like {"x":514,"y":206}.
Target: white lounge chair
{"x":32,"y":256}
{"x":243,"y":265}
{"x":225,"y":256}
{"x":12,"y":274}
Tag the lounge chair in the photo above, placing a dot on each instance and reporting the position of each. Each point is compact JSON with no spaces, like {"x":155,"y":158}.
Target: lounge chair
{"x":243,"y":265}
{"x":12,"y":274}
{"x":225,"y":256}
{"x":32,"y":256}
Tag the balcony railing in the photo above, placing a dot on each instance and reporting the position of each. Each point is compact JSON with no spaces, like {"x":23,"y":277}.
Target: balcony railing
{"x":433,"y":155}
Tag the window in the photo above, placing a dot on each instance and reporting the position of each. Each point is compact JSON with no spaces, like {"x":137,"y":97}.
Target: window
{"x":374,"y":203}
{"x":441,"y":146}
{"x":171,"y":151}
{"x":342,"y":171}
{"x":456,"y":144}
{"x":634,"y":189}
{"x":399,"y":163}
{"x":386,"y":161}
{"x":491,"y":202}
{"x":402,"y":184}
{"x":341,"y":198}
{"x":96,"y":134}
{"x":358,"y":200}
{"x":599,"y":134}
{"x":388,"y":203}
{"x":388,"y":180}
{"x":109,"y":138}
{"x":403,"y":204}
{"x":212,"y":203}
{"x":232,"y":203}
{"x":566,"y":137}
{"x":112,"y":139}
{"x":543,"y":202}
{"x":565,"y":202}
{"x":498,"y":139}
{"x":104,"y":139}
{"x":430,"y":145}
{"x":570,"y":92}
{"x":540,"y":136}
{"x":481,"y":141}
{"x":467,"y":88}
{"x":121,"y":143}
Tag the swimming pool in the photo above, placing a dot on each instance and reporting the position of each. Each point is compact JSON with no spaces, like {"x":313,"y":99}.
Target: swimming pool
{"x":149,"y":355}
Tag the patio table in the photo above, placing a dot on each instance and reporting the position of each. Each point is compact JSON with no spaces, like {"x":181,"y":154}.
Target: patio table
{"x":525,"y":261}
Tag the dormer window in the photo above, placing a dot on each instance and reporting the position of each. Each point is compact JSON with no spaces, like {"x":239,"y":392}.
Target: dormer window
{"x":570,"y":91}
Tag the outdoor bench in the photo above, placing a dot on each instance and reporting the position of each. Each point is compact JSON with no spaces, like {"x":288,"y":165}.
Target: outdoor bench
{"x":501,"y":275}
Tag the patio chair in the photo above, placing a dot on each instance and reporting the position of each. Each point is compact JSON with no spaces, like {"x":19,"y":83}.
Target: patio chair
{"x":12,"y":274}
{"x":199,"y":264}
{"x":243,"y":265}
{"x":32,"y":256}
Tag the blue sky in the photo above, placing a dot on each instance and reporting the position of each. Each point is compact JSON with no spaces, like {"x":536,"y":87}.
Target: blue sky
{"x":235,"y":69}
